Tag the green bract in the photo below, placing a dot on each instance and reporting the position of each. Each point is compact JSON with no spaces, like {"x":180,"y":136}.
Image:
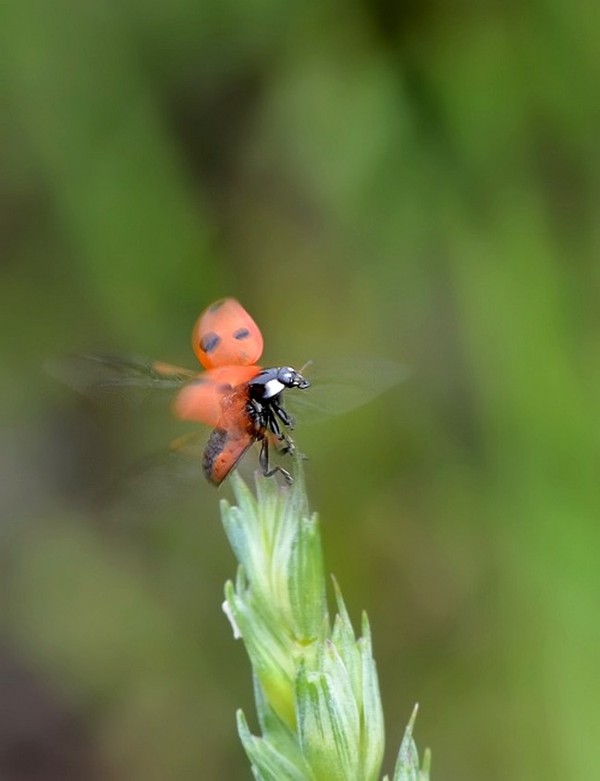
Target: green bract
{"x":316,"y":689}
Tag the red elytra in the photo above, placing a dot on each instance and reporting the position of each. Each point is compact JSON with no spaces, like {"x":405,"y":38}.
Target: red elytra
{"x":226,"y":335}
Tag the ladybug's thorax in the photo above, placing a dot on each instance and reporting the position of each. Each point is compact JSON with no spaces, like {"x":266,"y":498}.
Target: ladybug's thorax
{"x":266,"y":385}
{"x":269,"y":383}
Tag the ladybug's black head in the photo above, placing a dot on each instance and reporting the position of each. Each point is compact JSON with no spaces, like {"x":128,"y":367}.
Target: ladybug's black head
{"x":291,"y":378}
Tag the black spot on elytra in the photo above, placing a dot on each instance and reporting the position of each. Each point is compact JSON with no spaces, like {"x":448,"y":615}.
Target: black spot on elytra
{"x":241,"y":333}
{"x":217,"y":305}
{"x":210,"y":342}
{"x":214,"y":447}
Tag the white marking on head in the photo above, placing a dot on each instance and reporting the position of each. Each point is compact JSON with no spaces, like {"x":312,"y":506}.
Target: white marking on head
{"x":272,"y":388}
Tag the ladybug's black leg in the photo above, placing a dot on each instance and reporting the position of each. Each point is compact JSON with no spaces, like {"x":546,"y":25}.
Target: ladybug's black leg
{"x":287,"y":447}
{"x":283,"y":414}
{"x":273,"y":425}
{"x":263,"y":459}
{"x":287,"y":444}
{"x":255,"y":410}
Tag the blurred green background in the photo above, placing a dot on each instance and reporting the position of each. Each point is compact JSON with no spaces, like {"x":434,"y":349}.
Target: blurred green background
{"x":416,"y":181}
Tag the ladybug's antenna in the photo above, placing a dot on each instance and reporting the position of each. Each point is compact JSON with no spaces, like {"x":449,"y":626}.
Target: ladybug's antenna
{"x":306,"y":365}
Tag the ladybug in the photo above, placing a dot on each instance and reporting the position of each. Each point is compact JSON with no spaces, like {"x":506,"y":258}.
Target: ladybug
{"x":240,"y":400}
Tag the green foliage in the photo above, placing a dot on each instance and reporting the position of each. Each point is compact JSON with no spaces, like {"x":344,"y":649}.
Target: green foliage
{"x":407,"y":765}
{"x":316,"y":689}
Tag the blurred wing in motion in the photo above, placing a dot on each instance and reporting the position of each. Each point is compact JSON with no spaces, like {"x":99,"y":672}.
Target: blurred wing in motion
{"x":339,"y":386}
{"x":102,"y":376}
{"x":153,"y":484}
{"x":210,"y":397}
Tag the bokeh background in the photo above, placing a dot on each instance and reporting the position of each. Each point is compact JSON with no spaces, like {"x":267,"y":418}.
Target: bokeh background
{"x":416,"y":181}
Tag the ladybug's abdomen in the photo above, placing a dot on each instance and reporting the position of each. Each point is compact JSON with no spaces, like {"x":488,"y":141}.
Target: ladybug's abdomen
{"x":222,"y":452}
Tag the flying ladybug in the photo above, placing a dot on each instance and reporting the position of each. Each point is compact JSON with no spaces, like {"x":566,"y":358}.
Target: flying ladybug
{"x":240,"y":400}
